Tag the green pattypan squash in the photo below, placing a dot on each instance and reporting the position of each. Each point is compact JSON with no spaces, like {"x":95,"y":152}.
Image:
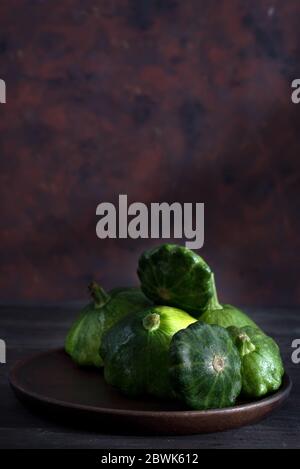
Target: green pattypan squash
{"x":84,"y":338}
{"x":224,"y":315}
{"x":176,"y":276}
{"x":136,"y":351}
{"x":205,"y":367}
{"x":262,"y":367}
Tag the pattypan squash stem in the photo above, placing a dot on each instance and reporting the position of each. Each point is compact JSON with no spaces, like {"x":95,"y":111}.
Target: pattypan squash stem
{"x":246,"y":346}
{"x":241,"y":340}
{"x":151,"y":322}
{"x":98,"y":294}
{"x":214,"y":302}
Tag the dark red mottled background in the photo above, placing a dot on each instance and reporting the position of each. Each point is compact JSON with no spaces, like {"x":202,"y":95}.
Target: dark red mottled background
{"x":164,"y":100}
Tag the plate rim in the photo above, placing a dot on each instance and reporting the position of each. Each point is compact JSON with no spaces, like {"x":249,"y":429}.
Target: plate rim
{"x":276,"y":397}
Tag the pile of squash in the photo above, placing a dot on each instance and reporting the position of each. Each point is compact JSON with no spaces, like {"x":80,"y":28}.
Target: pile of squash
{"x":173,"y":339}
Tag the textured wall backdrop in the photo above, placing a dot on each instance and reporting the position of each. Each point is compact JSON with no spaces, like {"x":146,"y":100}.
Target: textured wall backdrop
{"x":163,"y":100}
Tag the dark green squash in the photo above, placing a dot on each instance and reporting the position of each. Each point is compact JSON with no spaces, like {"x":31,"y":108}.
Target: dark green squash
{"x":224,"y":315}
{"x":176,"y":276}
{"x":205,"y":367}
{"x":84,"y":338}
{"x":262,"y":367}
{"x":136,"y":351}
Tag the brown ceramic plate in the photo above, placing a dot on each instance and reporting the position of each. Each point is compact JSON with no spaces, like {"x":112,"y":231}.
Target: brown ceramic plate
{"x":50,"y":380}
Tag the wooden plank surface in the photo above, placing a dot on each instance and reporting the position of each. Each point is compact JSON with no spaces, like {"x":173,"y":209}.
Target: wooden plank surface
{"x":27,"y":329}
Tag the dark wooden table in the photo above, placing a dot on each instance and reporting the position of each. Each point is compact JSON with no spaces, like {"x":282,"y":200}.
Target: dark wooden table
{"x":28,"y":329}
